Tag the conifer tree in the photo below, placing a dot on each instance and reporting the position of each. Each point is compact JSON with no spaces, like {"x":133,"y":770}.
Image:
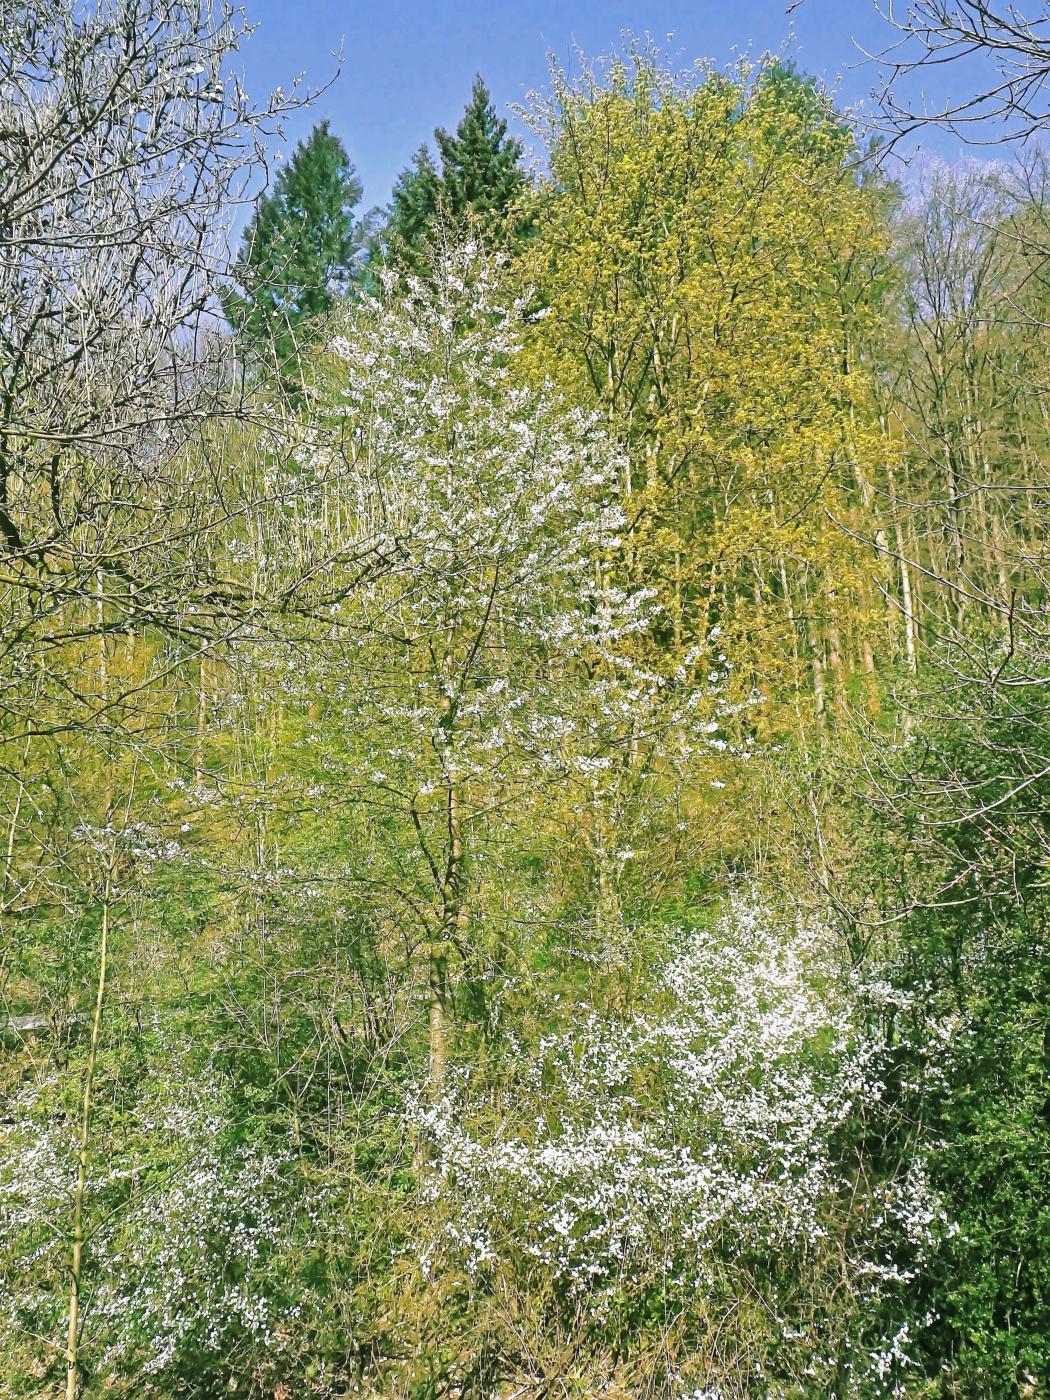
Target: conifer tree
{"x":480,"y":165}
{"x":413,"y":206}
{"x":298,"y":251}
{"x":481,"y":176}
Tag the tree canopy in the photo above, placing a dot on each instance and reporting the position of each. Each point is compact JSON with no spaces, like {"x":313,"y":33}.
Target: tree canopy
{"x":481,"y":178}
{"x":298,"y":252}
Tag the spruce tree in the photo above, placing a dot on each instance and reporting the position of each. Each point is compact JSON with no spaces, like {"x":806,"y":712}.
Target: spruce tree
{"x":481,"y":176}
{"x":480,"y":165}
{"x":298,"y":252}
{"x":413,"y":206}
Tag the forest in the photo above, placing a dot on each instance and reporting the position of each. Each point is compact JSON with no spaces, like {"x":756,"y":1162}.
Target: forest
{"x":524,"y":731}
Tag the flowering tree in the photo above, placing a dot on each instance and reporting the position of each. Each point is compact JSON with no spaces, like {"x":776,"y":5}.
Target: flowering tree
{"x":485,"y":671}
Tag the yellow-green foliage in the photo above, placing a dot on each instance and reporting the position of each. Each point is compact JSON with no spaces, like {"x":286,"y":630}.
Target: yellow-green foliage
{"x":694,"y":244}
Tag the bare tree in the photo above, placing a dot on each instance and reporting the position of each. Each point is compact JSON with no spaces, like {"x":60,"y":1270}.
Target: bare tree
{"x":965,"y":389}
{"x":971,"y":389}
{"x":1010,"y":47}
{"x":125,"y":145}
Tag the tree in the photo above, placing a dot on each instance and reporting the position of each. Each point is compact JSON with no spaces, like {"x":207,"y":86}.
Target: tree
{"x":969,"y":381}
{"x":109,"y":365}
{"x":480,"y":179}
{"x":298,"y":252}
{"x":691,"y":248}
{"x":414,"y":204}
{"x":1011,"y":102}
{"x":480,"y":167}
{"x":485,"y":681}
{"x":498,"y":502}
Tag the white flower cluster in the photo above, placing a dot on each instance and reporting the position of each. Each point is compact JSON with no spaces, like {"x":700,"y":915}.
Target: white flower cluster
{"x":482,"y":491}
{"x":494,"y":654}
{"x":698,"y":1133}
{"x":186,"y":1231}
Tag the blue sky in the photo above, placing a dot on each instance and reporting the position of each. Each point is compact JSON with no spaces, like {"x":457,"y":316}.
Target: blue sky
{"x":408,"y":64}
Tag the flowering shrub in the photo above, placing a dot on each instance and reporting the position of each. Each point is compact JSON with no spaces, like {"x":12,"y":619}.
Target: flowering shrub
{"x":651,"y":1172}
{"x":187,"y":1274}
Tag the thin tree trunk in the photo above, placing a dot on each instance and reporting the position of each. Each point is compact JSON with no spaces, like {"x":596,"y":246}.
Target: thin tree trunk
{"x":816,"y":656}
{"x":453,"y":927}
{"x":77,"y":1260}
{"x":870,"y":516}
{"x":908,"y":605}
{"x":907,"y":596}
{"x":200,"y":721}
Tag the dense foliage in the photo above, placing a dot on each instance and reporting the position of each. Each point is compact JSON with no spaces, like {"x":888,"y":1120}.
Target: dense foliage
{"x":298,"y":252}
{"x":480,"y":182}
{"x":524,"y":861}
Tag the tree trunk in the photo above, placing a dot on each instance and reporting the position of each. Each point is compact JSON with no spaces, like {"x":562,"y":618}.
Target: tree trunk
{"x":77,"y":1260}
{"x":451,"y":934}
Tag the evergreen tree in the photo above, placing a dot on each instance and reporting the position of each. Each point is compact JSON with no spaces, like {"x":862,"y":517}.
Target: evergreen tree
{"x":298,"y":251}
{"x":413,"y":206}
{"x":481,"y":176}
{"x":480,"y":166}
